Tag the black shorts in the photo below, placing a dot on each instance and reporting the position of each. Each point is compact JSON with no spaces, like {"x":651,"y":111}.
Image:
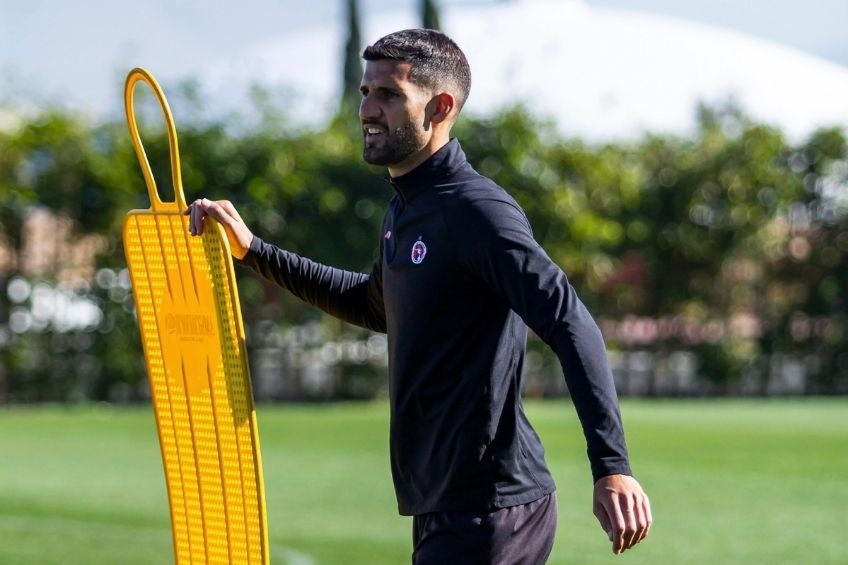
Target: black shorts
{"x":518,"y":535}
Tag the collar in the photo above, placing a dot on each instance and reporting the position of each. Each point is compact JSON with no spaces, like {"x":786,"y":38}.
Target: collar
{"x":441,"y":165}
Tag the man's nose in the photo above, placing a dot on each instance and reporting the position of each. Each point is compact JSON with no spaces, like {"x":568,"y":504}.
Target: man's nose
{"x":368,"y":109}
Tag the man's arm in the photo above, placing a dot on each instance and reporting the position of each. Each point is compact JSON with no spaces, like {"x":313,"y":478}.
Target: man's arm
{"x":353,"y":297}
{"x":356,"y":298}
{"x":505,"y":255}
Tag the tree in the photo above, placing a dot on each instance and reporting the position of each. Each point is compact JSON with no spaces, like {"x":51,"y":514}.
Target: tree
{"x":352,"y":71}
{"x":429,"y":15}
{"x":730,"y":245}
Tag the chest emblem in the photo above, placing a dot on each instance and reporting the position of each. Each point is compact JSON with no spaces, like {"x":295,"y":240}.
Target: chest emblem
{"x":419,"y":251}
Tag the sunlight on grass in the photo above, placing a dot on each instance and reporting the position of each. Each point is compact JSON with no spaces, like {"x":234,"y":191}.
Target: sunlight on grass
{"x":730,"y":482}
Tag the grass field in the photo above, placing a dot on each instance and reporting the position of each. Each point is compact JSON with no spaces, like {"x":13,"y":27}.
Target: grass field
{"x":731,"y":482}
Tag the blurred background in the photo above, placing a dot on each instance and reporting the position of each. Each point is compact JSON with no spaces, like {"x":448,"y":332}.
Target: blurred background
{"x":686,"y":166}
{"x":685,"y":163}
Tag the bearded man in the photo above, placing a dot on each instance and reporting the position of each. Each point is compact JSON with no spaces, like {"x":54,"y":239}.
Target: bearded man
{"x":458,"y":280}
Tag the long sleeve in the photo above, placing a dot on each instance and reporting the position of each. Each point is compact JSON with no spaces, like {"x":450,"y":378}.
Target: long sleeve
{"x":504,"y":254}
{"x":356,"y":298}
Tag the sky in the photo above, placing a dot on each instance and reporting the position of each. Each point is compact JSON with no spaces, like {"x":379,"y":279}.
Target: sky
{"x":77,"y":53}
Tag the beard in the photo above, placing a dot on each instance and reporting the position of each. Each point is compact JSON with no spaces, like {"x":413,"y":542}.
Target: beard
{"x":396,"y":147}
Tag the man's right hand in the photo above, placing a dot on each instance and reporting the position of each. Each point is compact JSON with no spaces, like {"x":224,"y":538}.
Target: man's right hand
{"x":238,"y":233}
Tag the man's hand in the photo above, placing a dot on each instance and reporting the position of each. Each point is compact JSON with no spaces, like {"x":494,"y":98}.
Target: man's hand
{"x":238,"y":233}
{"x":623,"y":510}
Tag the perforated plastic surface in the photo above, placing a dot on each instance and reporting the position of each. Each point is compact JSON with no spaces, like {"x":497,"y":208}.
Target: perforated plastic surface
{"x":193,"y":338}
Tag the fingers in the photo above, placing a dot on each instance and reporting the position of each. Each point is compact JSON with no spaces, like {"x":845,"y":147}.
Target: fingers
{"x":196,"y":213}
{"x":620,"y":533}
{"x":623,"y":510}
{"x":239,"y":235}
{"x":632,"y":530}
{"x":609,"y":514}
{"x":222,"y":211}
{"x":649,"y":519}
{"x":632,"y":520}
{"x":637,"y":517}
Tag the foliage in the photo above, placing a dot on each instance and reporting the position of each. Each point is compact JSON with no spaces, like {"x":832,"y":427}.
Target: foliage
{"x":731,"y":244}
{"x":715,"y":243}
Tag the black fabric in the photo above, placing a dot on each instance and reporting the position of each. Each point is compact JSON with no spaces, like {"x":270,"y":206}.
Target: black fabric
{"x":518,"y":535}
{"x":458,"y":279}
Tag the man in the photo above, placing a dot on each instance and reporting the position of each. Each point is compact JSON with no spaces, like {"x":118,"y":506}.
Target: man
{"x":458,"y":280}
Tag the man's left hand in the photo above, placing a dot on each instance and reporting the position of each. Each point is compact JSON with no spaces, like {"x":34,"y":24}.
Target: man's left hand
{"x":623,"y":510}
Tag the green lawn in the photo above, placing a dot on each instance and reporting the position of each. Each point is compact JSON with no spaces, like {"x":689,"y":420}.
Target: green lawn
{"x":730,"y":482}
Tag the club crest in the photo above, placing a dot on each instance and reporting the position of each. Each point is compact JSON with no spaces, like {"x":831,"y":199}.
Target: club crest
{"x":419,"y":251}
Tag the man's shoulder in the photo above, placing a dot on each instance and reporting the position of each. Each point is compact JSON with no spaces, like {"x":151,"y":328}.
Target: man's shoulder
{"x":482,"y":205}
{"x":484,"y":195}
{"x":475,"y":191}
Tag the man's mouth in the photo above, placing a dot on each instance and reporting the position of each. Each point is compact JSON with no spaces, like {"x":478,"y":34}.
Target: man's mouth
{"x":373,"y":130}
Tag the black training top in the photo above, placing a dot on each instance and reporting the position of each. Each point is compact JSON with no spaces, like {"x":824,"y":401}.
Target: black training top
{"x":458,"y":280}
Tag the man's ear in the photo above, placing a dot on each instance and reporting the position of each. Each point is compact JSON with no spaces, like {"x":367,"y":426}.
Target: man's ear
{"x":443,"y":107}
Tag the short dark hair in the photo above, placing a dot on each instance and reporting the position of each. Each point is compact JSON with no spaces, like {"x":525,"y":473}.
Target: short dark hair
{"x":436,"y":61}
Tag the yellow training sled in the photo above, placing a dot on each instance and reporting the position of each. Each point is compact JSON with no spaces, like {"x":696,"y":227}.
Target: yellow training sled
{"x":191,"y":328}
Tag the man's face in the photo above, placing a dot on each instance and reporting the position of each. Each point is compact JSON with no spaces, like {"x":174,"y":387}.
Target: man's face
{"x":393,"y":114}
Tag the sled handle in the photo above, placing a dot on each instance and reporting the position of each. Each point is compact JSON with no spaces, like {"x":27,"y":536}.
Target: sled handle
{"x":140,"y":74}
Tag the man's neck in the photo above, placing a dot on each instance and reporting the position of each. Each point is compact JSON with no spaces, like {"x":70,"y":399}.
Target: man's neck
{"x":414,"y":160}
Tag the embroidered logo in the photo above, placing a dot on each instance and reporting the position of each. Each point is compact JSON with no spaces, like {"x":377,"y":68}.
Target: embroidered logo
{"x":419,"y":251}
{"x":388,"y":234}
